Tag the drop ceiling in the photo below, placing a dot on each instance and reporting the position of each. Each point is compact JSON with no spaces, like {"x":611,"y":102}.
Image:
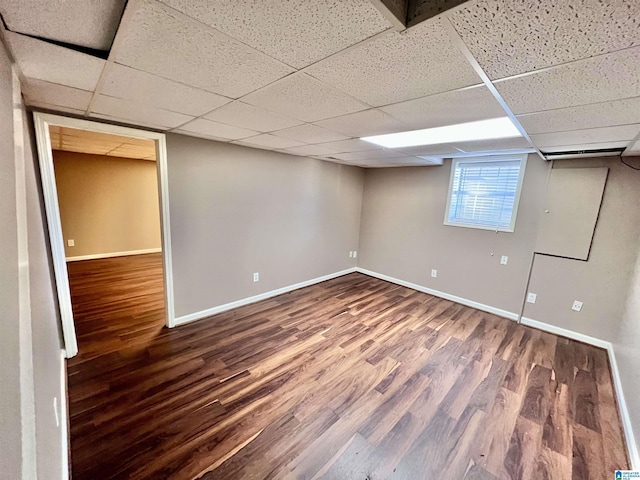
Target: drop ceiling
{"x":95,"y":143}
{"x":308,"y":77}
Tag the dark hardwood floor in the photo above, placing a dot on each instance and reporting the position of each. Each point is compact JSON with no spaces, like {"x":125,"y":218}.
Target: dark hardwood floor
{"x":353,"y":378}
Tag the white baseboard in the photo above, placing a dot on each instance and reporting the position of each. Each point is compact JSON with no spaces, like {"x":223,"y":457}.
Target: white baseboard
{"x":64,"y":423}
{"x":632,"y":446}
{"x":112,"y":254}
{"x":565,"y":333}
{"x":634,"y":455}
{"x":256,"y":298}
{"x":446,"y":296}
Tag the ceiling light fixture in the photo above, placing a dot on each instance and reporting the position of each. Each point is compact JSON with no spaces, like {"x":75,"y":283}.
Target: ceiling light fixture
{"x":462,"y":132}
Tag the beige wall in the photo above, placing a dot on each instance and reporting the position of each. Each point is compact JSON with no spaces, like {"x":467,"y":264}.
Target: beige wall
{"x":45,"y":325}
{"x":402,"y":235}
{"x":30,"y":347}
{"x":627,"y":351}
{"x":107,"y":204}
{"x":236,"y":211}
{"x":603,"y":281}
{"x":10,"y":425}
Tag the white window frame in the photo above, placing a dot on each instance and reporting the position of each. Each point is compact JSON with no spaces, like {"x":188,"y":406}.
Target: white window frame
{"x":522,"y":158}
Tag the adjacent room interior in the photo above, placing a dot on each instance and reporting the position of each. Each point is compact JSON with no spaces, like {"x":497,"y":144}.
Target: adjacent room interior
{"x":373,"y":239}
{"x":108,"y":203}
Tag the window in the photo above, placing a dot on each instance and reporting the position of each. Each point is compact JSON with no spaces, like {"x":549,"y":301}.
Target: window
{"x":484,"y":192}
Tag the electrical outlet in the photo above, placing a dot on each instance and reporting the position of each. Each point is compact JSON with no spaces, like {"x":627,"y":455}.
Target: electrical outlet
{"x":531,"y":298}
{"x":350,"y":254}
{"x":355,"y":254}
{"x":71,"y":243}
{"x":434,"y":273}
{"x":503,"y":260}
{"x":256,"y":277}
{"x":577,"y":306}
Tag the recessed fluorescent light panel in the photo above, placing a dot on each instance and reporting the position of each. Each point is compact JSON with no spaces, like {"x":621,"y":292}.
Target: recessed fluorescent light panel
{"x":462,"y":132}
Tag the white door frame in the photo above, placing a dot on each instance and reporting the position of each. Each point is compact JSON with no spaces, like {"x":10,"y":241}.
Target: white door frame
{"x":42,"y":122}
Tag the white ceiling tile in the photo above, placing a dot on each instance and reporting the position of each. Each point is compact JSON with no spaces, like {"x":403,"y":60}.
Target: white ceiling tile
{"x":142,"y":87}
{"x":217,"y":130}
{"x":449,"y":108}
{"x":136,"y":123}
{"x":399,"y":66}
{"x":56,"y":108}
{"x":608,"y":77}
{"x":249,"y":116}
{"x":371,"y":155}
{"x":305,"y":98}
{"x":351,"y":145}
{"x":134,"y":113}
{"x":493,"y":145}
{"x":88,"y":24}
{"x":603,"y":114}
{"x":40,"y":92}
{"x":510,"y":37}
{"x":55,"y":64}
{"x":200,"y":135}
{"x":427,"y":150}
{"x":298,"y":32}
{"x":414,"y":161}
{"x":592,"y":135}
{"x":362,"y":124}
{"x":402,"y":162}
{"x":310,"y":134}
{"x":309,"y":150}
{"x":269,"y":141}
{"x":347,"y":157}
{"x":632,"y":150}
{"x":162,"y":41}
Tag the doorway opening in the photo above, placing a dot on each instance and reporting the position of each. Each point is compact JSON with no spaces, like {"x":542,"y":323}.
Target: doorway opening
{"x":106,"y":200}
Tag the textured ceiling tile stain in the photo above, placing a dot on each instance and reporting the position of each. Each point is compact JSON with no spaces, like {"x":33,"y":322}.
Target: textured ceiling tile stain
{"x":607,"y":77}
{"x":399,"y":66}
{"x":163,"y":42}
{"x":296,"y":32}
{"x":510,"y":37}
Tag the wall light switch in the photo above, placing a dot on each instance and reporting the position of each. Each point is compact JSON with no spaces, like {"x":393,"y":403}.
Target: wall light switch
{"x":577,"y":306}
{"x":434,"y":273}
{"x":355,"y":254}
{"x":350,"y":254}
{"x":256,"y":277}
{"x":531,"y":298}
{"x":503,"y":260}
{"x":71,"y":243}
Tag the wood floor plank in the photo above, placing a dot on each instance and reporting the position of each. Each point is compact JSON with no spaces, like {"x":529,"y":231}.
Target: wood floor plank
{"x":352,"y":378}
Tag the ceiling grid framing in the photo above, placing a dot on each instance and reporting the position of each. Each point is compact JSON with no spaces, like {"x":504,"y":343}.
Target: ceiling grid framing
{"x":599,"y":49}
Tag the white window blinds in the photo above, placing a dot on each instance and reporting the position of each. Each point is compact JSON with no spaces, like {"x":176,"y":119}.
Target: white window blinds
{"x":485,"y":193}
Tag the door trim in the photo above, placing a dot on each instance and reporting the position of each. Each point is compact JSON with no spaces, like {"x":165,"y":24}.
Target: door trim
{"x":42,"y":121}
